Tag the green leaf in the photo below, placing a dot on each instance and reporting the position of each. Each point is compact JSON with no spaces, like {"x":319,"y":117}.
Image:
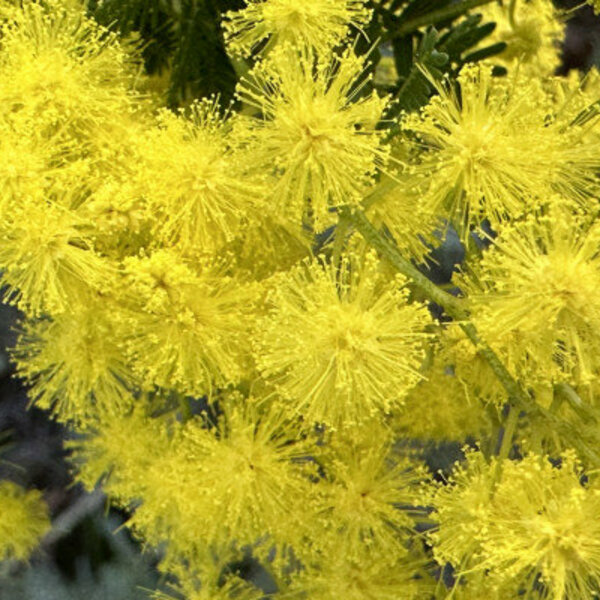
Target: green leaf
{"x":486,"y":52}
{"x":416,"y":88}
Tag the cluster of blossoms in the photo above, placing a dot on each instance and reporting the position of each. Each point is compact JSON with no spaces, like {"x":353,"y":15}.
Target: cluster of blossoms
{"x":239,"y":387}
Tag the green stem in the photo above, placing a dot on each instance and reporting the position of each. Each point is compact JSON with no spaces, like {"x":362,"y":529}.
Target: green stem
{"x":565,"y":391}
{"x":338,"y":242}
{"x":452,"y":305}
{"x":184,"y":407}
{"x":443,"y":14}
{"x":512,"y":9}
{"x":508,"y":433}
{"x":455,"y":308}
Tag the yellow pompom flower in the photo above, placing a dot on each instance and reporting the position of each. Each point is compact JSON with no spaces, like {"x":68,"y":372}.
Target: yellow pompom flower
{"x":266,"y":244}
{"x":341,"y":346}
{"x":118,"y":450}
{"x":48,"y":257}
{"x":448,"y":408}
{"x":24,"y":521}
{"x":532,"y":30}
{"x":74,"y":365}
{"x":534,"y":296}
{"x":314,"y":134}
{"x":194,"y":182}
{"x":183,"y":323}
{"x":545,"y":521}
{"x":233,"y":483}
{"x":496,"y":150}
{"x":522,"y":521}
{"x":318,"y":24}
{"x":64,"y":71}
{"x":359,"y":502}
{"x":462,"y":509}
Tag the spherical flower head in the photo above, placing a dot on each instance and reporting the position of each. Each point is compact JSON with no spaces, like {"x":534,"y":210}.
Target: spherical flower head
{"x":496,"y":150}
{"x":233,"y":482}
{"x":23,"y":521}
{"x":358,"y":502}
{"x":318,"y":24}
{"x":532,"y":31}
{"x":449,"y":408}
{"x":118,"y":450}
{"x":74,"y":365}
{"x":63,"y":70}
{"x":316,"y":133}
{"x":462,"y":509}
{"x":49,"y":260}
{"x":341,"y":345}
{"x":183,"y":323}
{"x":534,"y":522}
{"x":195,"y":183}
{"x":545,"y":525}
{"x":534,"y":295}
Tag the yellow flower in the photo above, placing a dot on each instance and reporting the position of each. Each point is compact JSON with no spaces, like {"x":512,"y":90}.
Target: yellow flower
{"x":529,"y":522}
{"x":194,"y":181}
{"x":341,"y":346}
{"x":532,"y":31}
{"x":463,"y":511}
{"x":183,"y":323}
{"x":534,"y":295}
{"x":63,"y":71}
{"x":315,"y":134}
{"x":318,"y":24}
{"x":74,"y":364}
{"x":236,"y":482}
{"x":360,"y":501}
{"x":497,"y":150}
{"x":23,"y":521}
{"x":48,"y":258}
{"x":118,"y":450}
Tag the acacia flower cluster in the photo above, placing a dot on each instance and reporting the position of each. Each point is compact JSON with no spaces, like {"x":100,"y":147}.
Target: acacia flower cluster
{"x":232,"y":307}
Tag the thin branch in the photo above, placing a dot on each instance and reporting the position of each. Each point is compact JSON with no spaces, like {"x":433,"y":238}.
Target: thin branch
{"x":72,"y":516}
